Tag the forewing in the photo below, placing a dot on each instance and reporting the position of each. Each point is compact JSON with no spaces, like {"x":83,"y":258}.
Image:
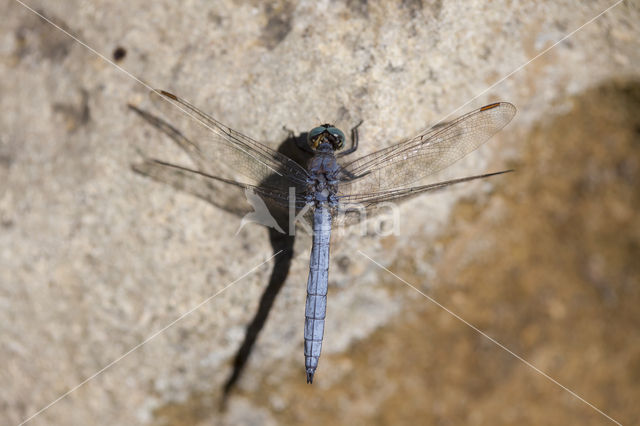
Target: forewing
{"x":218,"y":150}
{"x":229,"y":195}
{"x":409,"y":161}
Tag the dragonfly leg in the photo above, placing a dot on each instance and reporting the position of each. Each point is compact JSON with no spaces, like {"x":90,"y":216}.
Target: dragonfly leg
{"x":346,"y":175}
{"x":354,"y":141}
{"x":290,"y":133}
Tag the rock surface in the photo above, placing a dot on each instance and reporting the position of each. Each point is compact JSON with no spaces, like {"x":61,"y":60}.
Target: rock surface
{"x":95,"y":260}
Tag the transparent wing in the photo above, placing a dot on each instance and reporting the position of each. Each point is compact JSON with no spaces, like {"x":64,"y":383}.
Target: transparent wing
{"x":223,"y":193}
{"x":409,"y":161}
{"x":234,"y":197}
{"x":218,"y":150}
{"x":229,"y":195}
{"x":357,"y":208}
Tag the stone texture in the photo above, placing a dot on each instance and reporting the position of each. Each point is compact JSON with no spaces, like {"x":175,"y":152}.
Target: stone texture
{"x":95,"y":259}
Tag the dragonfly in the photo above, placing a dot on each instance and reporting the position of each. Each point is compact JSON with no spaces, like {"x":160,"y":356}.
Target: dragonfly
{"x":331,"y":190}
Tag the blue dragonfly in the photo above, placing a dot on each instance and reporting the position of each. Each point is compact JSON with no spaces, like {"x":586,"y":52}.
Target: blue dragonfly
{"x":330,"y":190}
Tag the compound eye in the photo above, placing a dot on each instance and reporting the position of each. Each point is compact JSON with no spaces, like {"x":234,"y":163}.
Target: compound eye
{"x":315,"y":132}
{"x":337,"y":133}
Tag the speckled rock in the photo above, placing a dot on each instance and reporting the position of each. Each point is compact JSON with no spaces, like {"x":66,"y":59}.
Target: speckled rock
{"x":96,"y":260}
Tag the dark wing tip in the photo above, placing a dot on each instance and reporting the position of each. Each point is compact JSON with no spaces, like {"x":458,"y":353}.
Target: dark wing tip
{"x":490,"y":106}
{"x":499,"y":104}
{"x":168,"y":95}
{"x":310,"y":374}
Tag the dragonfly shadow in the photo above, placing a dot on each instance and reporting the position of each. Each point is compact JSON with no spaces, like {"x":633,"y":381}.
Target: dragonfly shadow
{"x":281,"y":243}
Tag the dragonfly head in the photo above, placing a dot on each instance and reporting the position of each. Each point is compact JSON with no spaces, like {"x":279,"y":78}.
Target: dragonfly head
{"x":326,"y":134}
